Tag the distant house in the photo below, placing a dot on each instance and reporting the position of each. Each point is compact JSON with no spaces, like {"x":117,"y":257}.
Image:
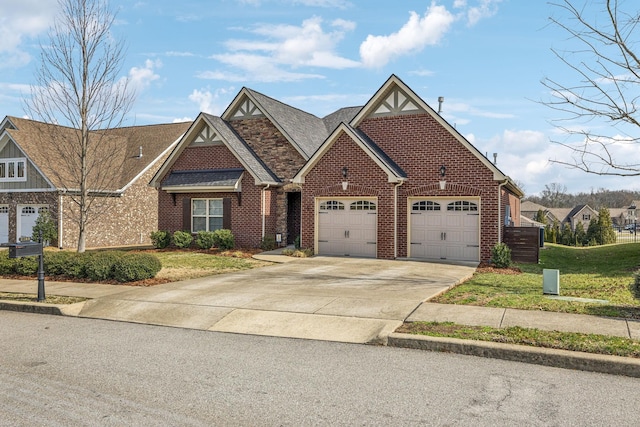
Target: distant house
{"x":32,"y":181}
{"x":390,"y":179}
{"x":563,"y":216}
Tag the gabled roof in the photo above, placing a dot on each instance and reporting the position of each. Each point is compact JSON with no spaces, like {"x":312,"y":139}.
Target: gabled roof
{"x":393,"y":82}
{"x":529,"y":206}
{"x":143,"y":147}
{"x":245,"y":155}
{"x":393,"y":171}
{"x":346,"y":114}
{"x":304,"y":131}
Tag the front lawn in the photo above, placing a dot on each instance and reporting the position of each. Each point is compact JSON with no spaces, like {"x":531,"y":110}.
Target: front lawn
{"x":602,"y":273}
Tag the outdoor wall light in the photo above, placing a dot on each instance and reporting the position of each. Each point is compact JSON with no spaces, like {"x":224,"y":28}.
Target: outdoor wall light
{"x":443,"y":171}
{"x":344,"y":172}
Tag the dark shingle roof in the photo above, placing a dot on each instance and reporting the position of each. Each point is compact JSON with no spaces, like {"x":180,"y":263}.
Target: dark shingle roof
{"x":305,"y":130}
{"x":243,"y":152}
{"x":203,"y":178}
{"x":333,"y":120}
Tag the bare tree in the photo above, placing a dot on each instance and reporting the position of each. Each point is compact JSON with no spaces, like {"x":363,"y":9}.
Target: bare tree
{"x":78,"y":85}
{"x":600,"y":108}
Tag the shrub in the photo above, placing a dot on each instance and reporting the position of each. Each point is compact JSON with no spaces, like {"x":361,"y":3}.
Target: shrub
{"x":205,"y":239}
{"x":223,"y":239}
{"x":7,"y":265}
{"x":268,"y":243}
{"x":160,"y":239}
{"x":298,"y":253}
{"x":296,"y":242}
{"x":55,"y":263}
{"x":99,"y":265}
{"x":76,"y":265}
{"x":182,"y":239}
{"x":501,"y":255}
{"x":136,"y":266}
{"x":27,"y":266}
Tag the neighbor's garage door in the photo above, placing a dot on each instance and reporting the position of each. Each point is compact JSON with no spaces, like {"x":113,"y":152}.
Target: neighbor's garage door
{"x":445,"y":229}
{"x":27,"y":216}
{"x":4,"y":224}
{"x":347,"y":227}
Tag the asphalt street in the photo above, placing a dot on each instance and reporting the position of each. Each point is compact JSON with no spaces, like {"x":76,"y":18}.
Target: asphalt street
{"x":71,"y":371}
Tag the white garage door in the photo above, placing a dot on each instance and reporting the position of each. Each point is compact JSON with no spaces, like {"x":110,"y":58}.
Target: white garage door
{"x":347,"y":227}
{"x":27,"y":216}
{"x":445,"y":229}
{"x":4,"y":224}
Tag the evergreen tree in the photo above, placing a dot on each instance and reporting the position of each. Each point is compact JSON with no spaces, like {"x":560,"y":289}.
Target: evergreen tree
{"x":566,"y":238}
{"x":540,"y":217}
{"x":605,"y":226}
{"x":580,"y":235}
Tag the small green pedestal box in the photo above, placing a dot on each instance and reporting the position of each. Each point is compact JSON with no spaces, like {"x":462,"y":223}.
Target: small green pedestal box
{"x":550,"y":281}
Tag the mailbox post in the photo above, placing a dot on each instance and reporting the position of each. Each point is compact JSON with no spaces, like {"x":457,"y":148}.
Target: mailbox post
{"x":22,"y":249}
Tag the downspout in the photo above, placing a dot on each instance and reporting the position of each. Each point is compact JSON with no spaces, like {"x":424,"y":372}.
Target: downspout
{"x":264,"y":209}
{"x":500,"y":209}
{"x":60,"y":229}
{"x":395,"y":219}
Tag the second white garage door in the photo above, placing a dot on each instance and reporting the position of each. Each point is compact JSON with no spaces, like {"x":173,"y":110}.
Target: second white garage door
{"x":445,"y":229}
{"x":347,"y":227}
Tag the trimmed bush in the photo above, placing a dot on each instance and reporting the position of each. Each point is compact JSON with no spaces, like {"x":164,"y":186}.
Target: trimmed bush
{"x":268,"y":243}
{"x":501,"y":255}
{"x":27,"y":266}
{"x":7,"y":265}
{"x":55,"y":263}
{"x":224,"y":240}
{"x":182,"y":239}
{"x":136,"y":266}
{"x":99,"y":265}
{"x":160,"y":239}
{"x":205,"y":239}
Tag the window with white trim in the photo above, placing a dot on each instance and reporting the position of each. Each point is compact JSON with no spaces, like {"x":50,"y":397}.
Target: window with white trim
{"x":206,"y":215}
{"x":362,"y":205}
{"x":13,"y":169}
{"x":425,"y":205}
{"x":462,"y":205}
{"x":332,"y":205}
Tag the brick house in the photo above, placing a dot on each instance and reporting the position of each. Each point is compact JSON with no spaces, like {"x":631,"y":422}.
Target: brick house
{"x":34,"y":177}
{"x":399,"y":181}
{"x":235,"y":171}
{"x":389,"y":180}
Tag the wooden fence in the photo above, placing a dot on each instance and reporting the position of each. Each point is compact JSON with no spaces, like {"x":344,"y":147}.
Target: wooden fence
{"x":524,"y":243}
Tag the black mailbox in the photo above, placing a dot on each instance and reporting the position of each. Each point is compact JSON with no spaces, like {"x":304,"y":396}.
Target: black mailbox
{"x":18,"y":250}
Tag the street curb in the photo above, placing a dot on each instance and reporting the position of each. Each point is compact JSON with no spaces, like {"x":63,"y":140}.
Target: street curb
{"x":614,"y":365}
{"x":43,"y":308}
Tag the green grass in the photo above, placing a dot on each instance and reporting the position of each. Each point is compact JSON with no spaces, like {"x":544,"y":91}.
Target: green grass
{"x":50,"y":299}
{"x":604,"y":273}
{"x":590,"y":343}
{"x":182,"y":265}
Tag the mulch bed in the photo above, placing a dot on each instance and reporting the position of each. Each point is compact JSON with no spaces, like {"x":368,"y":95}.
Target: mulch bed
{"x":488,"y":268}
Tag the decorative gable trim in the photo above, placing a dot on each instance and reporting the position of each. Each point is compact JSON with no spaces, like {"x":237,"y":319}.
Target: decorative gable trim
{"x":393,"y":85}
{"x":245,"y":109}
{"x":395,"y":103}
{"x":206,"y":136}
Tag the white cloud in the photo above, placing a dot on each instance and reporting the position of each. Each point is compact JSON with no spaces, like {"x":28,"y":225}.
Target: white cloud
{"x":415,"y":35}
{"x":141,"y":77}
{"x":281,"y":48}
{"x":19,"y":21}
{"x":210,"y":102}
{"x":485,"y":9}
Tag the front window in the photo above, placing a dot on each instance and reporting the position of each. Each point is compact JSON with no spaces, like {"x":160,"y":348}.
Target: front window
{"x":13,"y":170}
{"x":206,"y":215}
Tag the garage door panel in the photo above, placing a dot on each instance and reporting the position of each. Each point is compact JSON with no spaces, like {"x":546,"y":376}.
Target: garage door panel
{"x":351,"y":231}
{"x":444,"y":229}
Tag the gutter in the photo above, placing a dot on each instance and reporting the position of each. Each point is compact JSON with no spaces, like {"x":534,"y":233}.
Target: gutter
{"x":264,"y":208}
{"x":395,"y":219}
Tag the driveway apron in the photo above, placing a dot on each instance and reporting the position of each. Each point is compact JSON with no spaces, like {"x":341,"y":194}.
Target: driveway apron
{"x":336,"y":299}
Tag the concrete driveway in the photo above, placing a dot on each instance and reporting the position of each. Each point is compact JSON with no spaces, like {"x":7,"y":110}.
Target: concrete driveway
{"x":326,"y":298}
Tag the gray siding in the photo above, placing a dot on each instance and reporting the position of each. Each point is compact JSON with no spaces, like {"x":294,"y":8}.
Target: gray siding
{"x":34,"y":179}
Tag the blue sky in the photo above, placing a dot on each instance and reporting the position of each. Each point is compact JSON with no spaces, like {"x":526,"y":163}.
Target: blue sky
{"x":485,"y":57}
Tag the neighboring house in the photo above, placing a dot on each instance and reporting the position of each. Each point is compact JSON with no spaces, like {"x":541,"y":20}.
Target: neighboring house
{"x":389,"y":180}
{"x":32,"y":180}
{"x":564,"y":216}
